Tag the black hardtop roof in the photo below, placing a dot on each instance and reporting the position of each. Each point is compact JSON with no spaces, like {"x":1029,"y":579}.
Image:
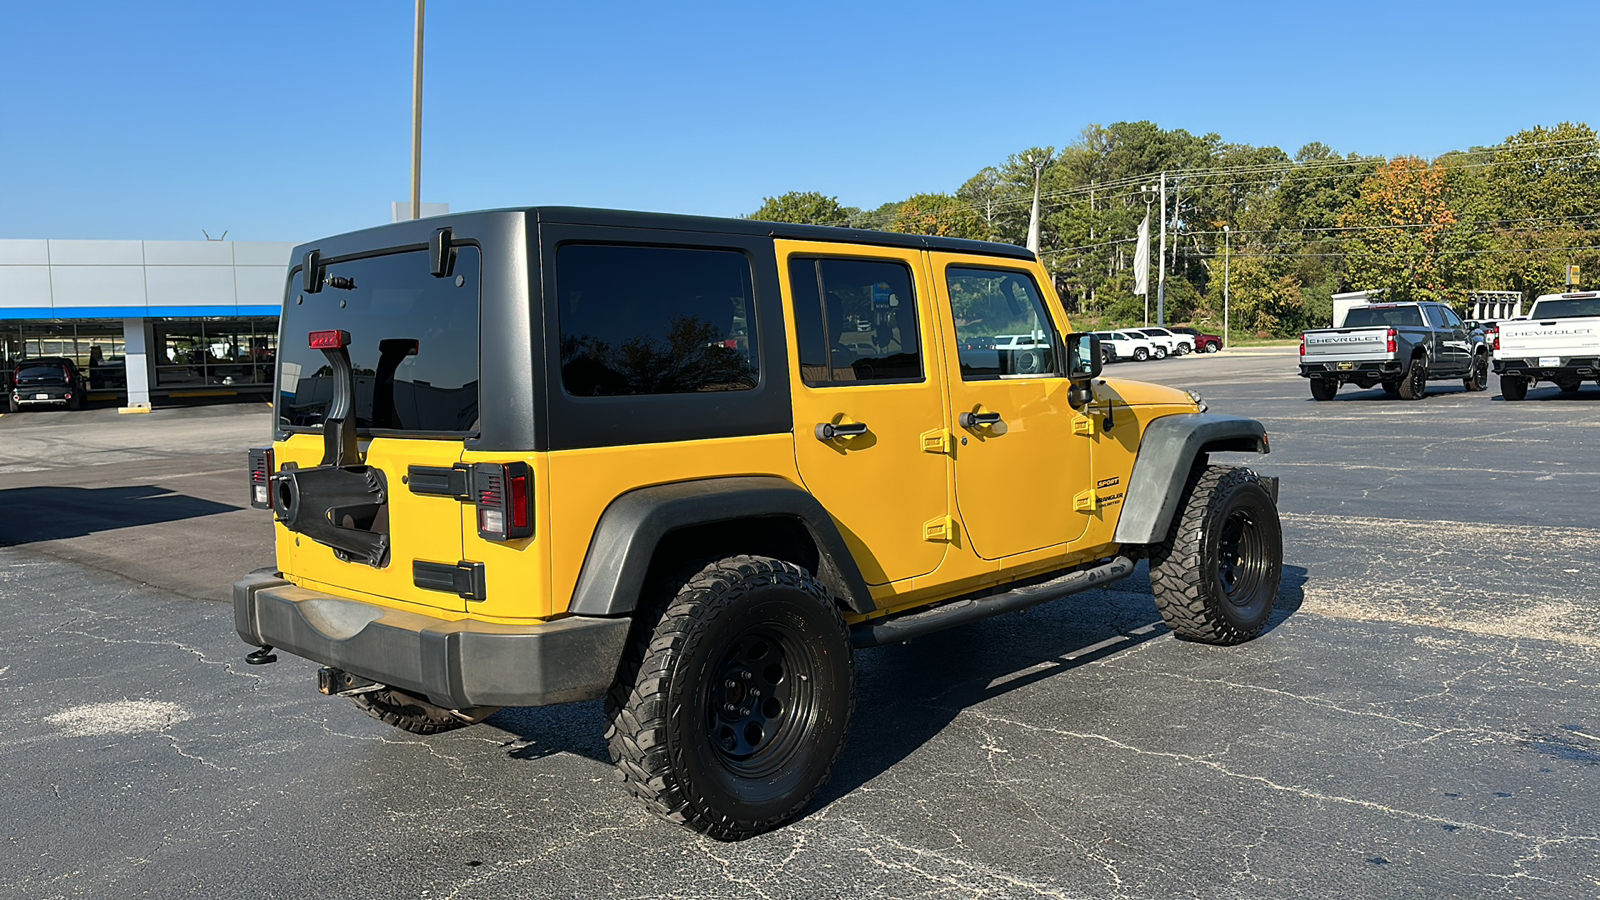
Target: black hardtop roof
{"x":45,"y":361}
{"x":617,"y":218}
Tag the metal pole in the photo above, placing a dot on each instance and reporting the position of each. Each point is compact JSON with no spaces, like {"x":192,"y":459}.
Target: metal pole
{"x":1224,"y":287}
{"x":416,"y":120}
{"x":1161,"y":282}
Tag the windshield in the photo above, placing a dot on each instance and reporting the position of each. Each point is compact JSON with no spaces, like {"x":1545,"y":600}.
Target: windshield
{"x":1378,"y":315}
{"x":1566,"y":307}
{"x":413,"y":345}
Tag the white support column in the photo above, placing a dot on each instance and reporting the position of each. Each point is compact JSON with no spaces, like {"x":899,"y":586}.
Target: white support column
{"x":138,"y":342}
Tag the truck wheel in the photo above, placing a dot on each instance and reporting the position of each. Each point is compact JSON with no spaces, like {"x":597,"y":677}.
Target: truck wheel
{"x":1324,"y":388}
{"x":1513,"y":388}
{"x":409,"y":712}
{"x":1391,"y":388}
{"x":1141,"y":354}
{"x":732,"y":704}
{"x":1478,"y":378}
{"x":1215,"y":577}
{"x":1415,"y":382}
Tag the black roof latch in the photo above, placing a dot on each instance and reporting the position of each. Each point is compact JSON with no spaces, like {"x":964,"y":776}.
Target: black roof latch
{"x":441,"y":255}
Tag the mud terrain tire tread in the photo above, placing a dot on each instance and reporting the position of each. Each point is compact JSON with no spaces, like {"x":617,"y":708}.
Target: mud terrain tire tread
{"x":1513,"y":388}
{"x":648,"y":745}
{"x":1415,"y":383}
{"x":1184,"y":581}
{"x":409,"y":712}
{"x":1323,"y":388}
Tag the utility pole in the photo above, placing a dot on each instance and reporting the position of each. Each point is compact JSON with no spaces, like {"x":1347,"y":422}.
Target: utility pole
{"x":1224,"y":287}
{"x":1161,"y":282}
{"x":1038,"y":162}
{"x":416,"y":120}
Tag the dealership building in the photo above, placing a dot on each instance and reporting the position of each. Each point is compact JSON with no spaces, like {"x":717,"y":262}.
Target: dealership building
{"x":145,"y":319}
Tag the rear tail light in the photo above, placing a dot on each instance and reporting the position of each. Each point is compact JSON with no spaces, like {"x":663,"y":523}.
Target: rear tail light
{"x":1302,"y":345}
{"x":504,"y":496}
{"x":1497,"y":340}
{"x":1391,"y":340}
{"x":260,"y":471}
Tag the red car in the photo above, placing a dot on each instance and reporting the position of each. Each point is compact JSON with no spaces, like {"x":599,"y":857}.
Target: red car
{"x":1203,"y":343}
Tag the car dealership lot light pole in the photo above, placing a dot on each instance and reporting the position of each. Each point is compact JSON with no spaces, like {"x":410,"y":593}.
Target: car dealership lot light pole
{"x":416,"y":119}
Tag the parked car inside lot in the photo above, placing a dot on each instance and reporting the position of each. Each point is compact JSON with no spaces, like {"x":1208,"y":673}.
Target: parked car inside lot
{"x":1202,"y":342}
{"x":1166,"y":342}
{"x":46,"y":381}
{"x":1125,"y":345}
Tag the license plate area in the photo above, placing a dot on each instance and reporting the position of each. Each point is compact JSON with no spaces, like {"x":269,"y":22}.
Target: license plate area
{"x":1549,"y":361}
{"x":1344,"y":366}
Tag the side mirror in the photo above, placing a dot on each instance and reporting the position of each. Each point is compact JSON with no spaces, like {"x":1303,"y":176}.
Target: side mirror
{"x":1083,"y":356}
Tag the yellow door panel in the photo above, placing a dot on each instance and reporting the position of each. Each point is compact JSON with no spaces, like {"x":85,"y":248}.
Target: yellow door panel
{"x":869,"y":403}
{"x":420,"y":527}
{"x":1022,"y":455}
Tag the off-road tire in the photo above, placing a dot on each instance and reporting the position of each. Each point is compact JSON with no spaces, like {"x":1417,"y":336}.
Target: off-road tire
{"x":409,"y":712}
{"x":1159,"y":352}
{"x":1415,"y":383}
{"x":680,"y":714}
{"x":1140,"y":354}
{"x":1478,"y":378}
{"x":1570,"y":385}
{"x":1215,"y":577}
{"x":1513,"y":388}
{"x":1323,"y":388}
{"x":1391,"y":388}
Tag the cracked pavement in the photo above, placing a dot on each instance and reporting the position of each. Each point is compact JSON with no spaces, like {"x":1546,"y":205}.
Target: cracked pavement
{"x":1418,"y":719}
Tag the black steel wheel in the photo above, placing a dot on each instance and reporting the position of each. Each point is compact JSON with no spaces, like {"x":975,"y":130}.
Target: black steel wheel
{"x":731,"y":706}
{"x":1513,"y":388}
{"x":1478,"y":378}
{"x":1415,"y":382}
{"x":1215,"y":577}
{"x":1323,"y":388}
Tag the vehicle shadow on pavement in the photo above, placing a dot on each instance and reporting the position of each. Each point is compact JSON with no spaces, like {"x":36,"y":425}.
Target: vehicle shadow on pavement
{"x":33,"y":514}
{"x":908,"y":693}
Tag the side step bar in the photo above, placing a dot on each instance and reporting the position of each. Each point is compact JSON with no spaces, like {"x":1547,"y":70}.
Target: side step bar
{"x":894,"y":629}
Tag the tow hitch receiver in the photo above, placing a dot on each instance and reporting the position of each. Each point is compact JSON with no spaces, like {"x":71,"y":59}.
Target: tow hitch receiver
{"x":333,"y":681}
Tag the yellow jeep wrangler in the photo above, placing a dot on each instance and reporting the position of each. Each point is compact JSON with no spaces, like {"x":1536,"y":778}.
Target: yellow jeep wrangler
{"x":689,"y":465}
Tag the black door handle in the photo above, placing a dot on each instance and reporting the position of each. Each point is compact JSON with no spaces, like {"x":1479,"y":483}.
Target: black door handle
{"x":978,"y":420}
{"x":827,"y":431}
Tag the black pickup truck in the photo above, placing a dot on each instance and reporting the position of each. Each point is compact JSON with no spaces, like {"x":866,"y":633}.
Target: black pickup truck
{"x":1398,"y":345}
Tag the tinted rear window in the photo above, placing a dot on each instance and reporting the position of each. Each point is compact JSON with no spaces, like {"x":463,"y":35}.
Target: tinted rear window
{"x":413,"y":345}
{"x":654,"y":320}
{"x":1576,"y":306}
{"x":1372,"y":315}
{"x":45,"y":372}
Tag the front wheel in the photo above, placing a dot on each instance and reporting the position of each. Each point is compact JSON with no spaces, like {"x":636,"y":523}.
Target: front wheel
{"x":732,"y":704}
{"x":1323,"y":388}
{"x":1513,"y":388}
{"x":1160,"y":353}
{"x":1213,"y":347}
{"x":1140,"y":354}
{"x":1216,"y":575}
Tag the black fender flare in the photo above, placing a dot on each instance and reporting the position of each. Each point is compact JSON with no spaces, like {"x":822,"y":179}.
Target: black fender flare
{"x":634,"y":524}
{"x":1167,"y":453}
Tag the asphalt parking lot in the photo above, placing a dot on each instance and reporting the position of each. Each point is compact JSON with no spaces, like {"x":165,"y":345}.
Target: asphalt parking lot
{"x":1419,"y":719}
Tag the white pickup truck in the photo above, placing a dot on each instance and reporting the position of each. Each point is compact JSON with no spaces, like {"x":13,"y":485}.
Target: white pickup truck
{"x":1559,"y":341}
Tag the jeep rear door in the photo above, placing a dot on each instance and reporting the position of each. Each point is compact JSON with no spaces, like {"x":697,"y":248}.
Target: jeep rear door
{"x":413,"y":344}
{"x":870,"y":424}
{"x":1020,"y":463}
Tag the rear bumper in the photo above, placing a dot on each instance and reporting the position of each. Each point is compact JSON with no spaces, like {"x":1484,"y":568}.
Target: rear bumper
{"x":454,"y":663}
{"x":1349,"y":369}
{"x":41,"y":396}
{"x":1580,"y":367}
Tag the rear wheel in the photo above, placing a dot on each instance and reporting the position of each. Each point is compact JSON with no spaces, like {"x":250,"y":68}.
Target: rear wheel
{"x":409,"y":712}
{"x":731,"y":706}
{"x":1324,"y":388}
{"x":1478,"y":378}
{"x":75,"y":401}
{"x":1391,"y":388}
{"x":1513,"y":387}
{"x":1216,"y":575}
{"x":1415,"y":382}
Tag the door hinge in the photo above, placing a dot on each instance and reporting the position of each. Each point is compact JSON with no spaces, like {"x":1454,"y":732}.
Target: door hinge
{"x":940,"y":530}
{"x":464,"y":579}
{"x":938,"y":441}
{"x":1086,"y":502}
{"x":1088,"y":425}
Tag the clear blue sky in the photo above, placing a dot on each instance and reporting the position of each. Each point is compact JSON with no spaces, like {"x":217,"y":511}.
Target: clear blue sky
{"x":291,"y":120}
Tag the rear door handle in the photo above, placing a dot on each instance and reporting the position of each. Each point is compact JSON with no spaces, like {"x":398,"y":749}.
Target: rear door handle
{"x":827,"y":431}
{"x":978,"y":420}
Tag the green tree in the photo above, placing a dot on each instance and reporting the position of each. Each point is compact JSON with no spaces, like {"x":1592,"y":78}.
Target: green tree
{"x":802,"y":208}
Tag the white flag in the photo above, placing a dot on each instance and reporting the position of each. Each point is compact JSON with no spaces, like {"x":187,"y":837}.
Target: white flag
{"x":1141,"y":258}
